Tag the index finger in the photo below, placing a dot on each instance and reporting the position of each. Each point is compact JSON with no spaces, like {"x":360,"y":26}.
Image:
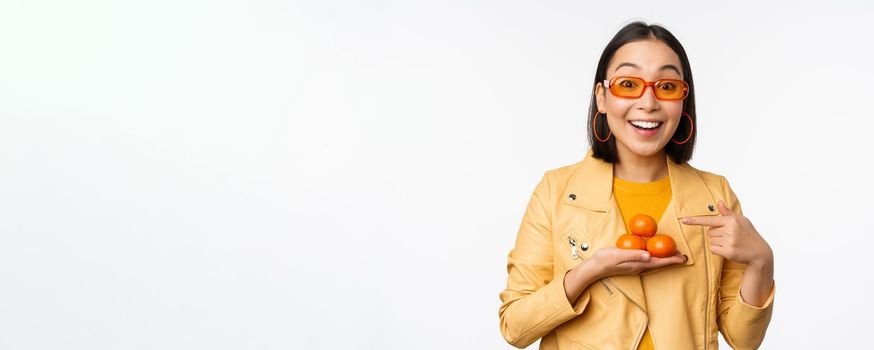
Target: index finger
{"x":704,"y":220}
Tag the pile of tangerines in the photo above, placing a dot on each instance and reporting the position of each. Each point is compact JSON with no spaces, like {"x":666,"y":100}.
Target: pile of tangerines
{"x":643,"y":237}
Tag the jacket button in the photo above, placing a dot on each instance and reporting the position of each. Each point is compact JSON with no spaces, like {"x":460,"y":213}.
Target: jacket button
{"x":572,"y":197}
{"x":711,"y":207}
{"x":585,"y":246}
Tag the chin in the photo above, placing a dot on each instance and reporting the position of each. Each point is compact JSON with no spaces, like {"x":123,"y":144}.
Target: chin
{"x":645,"y":150}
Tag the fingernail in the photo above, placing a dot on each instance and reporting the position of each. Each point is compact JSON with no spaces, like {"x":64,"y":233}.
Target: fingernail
{"x":645,"y":255}
{"x":685,"y":220}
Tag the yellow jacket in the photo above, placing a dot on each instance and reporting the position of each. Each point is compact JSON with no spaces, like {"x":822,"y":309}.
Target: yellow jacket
{"x":572,"y":210}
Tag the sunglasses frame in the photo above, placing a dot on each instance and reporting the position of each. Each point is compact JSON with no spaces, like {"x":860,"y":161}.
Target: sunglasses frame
{"x":609,"y":82}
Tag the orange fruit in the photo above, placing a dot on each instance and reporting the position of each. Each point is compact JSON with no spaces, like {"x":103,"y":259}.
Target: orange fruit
{"x":643,"y":225}
{"x":628,"y":241}
{"x":661,"y":246}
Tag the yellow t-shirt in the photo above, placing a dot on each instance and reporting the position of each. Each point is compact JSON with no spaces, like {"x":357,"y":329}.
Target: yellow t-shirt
{"x":650,"y":198}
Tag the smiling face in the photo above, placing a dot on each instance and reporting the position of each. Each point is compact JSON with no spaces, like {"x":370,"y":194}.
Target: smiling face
{"x":643,"y":125}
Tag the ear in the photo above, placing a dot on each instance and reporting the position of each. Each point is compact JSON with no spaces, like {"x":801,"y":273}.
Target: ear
{"x":600,"y":98}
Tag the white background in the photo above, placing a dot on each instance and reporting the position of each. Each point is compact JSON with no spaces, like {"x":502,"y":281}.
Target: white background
{"x":325,"y":175}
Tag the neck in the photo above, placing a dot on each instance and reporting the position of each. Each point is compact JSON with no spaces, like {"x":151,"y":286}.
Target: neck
{"x":639,"y":168}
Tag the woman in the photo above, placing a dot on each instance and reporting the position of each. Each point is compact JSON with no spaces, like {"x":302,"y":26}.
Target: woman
{"x":571,"y":288}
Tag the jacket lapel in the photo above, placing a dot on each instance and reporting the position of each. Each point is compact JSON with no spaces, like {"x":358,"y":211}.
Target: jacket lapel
{"x":593,"y":186}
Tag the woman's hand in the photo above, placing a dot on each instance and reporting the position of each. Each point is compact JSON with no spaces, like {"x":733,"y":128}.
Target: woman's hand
{"x":613,"y":261}
{"x":733,"y":237}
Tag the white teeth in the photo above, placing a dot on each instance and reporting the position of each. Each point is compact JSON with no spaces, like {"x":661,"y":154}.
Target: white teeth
{"x":645,"y":125}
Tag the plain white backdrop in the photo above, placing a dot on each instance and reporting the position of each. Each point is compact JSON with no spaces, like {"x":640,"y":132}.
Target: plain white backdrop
{"x":323,"y":175}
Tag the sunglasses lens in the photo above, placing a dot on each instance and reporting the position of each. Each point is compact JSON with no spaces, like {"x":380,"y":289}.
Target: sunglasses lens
{"x":627,"y":87}
{"x":670,"y":89}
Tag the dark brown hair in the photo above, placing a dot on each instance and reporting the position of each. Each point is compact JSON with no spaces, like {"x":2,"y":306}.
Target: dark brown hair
{"x":637,"y":31}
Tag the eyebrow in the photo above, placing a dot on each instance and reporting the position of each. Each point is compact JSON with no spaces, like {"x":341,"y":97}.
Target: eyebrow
{"x":667,"y":66}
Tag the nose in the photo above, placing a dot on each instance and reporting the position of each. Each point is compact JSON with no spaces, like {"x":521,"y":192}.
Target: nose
{"x":647,"y":101}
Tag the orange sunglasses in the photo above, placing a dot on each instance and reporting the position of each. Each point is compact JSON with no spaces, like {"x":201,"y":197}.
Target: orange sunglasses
{"x":633,"y":87}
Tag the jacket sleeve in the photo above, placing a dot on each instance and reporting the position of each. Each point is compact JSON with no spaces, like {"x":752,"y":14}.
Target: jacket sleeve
{"x":533,"y":302}
{"x":742,"y":324}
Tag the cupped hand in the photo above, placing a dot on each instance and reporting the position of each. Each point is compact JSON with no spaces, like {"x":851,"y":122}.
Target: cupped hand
{"x":615,"y":261}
